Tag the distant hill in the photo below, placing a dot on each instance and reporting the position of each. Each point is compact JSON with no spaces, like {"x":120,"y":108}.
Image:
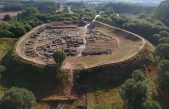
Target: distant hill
{"x":148,"y":2}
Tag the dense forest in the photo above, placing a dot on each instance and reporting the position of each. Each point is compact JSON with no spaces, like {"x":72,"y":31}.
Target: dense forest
{"x":125,"y":8}
{"x":162,"y":11}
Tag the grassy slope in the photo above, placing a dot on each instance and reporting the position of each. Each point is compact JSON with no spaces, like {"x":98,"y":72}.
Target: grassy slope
{"x":6,"y":44}
{"x":111,"y":97}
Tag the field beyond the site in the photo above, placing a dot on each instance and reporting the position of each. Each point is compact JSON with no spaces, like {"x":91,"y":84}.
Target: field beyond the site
{"x":12,"y":14}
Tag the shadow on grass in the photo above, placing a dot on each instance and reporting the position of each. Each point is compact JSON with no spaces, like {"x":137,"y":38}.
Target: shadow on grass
{"x":106,"y":77}
{"x":41,"y":81}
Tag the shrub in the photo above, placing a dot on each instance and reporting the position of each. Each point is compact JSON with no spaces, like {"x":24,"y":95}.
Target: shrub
{"x":163,"y":66}
{"x":134,"y":91}
{"x":162,"y":50}
{"x":163,"y":81}
{"x":2,"y":69}
{"x":164,"y":34}
{"x":17,"y":98}
{"x":138,"y":75}
{"x":156,"y":37}
{"x":164,"y":40}
{"x":151,"y":104}
{"x":7,"y":17}
{"x":59,"y":56}
{"x":6,"y":33}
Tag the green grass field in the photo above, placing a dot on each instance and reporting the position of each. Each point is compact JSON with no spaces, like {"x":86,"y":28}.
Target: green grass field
{"x":6,"y":44}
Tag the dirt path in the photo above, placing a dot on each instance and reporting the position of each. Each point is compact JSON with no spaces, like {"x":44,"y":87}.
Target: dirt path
{"x":69,"y":10}
{"x":82,"y":47}
{"x":61,"y":9}
{"x":69,"y":72}
{"x":90,"y":102}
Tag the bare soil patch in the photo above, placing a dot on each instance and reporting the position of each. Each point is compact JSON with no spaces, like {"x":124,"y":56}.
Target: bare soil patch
{"x":13,"y":14}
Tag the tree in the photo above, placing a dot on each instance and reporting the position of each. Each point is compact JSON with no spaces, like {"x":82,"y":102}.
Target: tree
{"x":134,"y":93}
{"x":163,"y":66}
{"x":27,"y":13}
{"x":156,"y":38}
{"x":47,"y":7}
{"x":7,"y":17}
{"x":164,"y":34}
{"x":142,"y":16}
{"x":17,"y":98}
{"x":27,"y":27}
{"x":163,"y":81}
{"x":105,"y":20}
{"x":151,"y":104}
{"x":18,"y":30}
{"x":162,"y":50}
{"x":34,"y":22}
{"x":147,"y":29}
{"x":138,"y":75}
{"x":163,"y":77}
{"x":59,"y":56}
{"x":162,"y":11}
{"x":6,"y":33}
{"x":164,"y":40}
{"x":2,"y":69}
{"x":14,"y":28}
{"x":123,"y":8}
{"x":118,"y":20}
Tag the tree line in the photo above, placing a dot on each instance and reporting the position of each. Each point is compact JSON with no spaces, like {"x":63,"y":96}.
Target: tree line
{"x":162,"y":11}
{"x":42,"y":6}
{"x":126,"y":8}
